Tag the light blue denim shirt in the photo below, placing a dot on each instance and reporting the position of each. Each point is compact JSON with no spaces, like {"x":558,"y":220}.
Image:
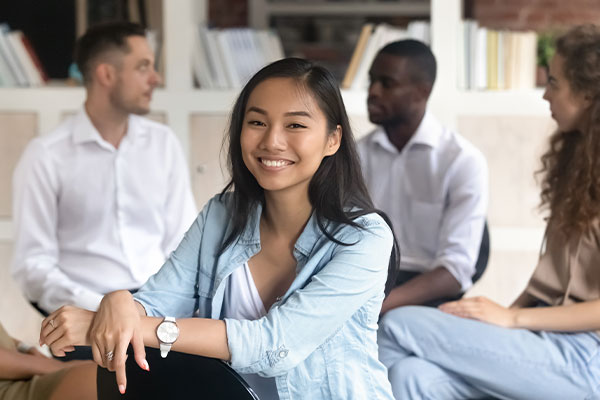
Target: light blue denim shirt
{"x":319,"y":339}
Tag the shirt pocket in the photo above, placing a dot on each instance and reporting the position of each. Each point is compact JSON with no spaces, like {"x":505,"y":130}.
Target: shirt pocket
{"x":425,"y":223}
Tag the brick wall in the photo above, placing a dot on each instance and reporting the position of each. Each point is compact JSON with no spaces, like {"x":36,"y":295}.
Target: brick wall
{"x":228,"y":13}
{"x":539,"y":15}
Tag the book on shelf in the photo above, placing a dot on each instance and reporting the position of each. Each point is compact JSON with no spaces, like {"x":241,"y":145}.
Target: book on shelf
{"x":371,"y":39}
{"x":7,"y":79}
{"x":19,"y":64}
{"x":492,"y":59}
{"x":480,"y":58}
{"x":496,"y":59}
{"x":230,"y":57}
{"x":34,"y":58}
{"x":33,"y":76}
{"x":357,"y":55}
{"x":227,"y":58}
{"x":203,"y":71}
{"x":6,"y":51}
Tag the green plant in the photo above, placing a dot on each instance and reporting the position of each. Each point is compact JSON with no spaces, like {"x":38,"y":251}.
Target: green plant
{"x":545,"y":48}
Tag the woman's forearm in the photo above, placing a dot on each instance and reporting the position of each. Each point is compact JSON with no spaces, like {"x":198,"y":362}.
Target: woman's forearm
{"x":524,"y":300}
{"x":201,"y":336}
{"x":583,"y":316}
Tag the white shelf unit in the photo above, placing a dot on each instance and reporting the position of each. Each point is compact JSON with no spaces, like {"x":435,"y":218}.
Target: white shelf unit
{"x":179,"y":100}
{"x":261,"y":10}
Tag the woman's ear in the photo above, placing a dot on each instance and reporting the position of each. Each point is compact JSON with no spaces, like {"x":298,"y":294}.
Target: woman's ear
{"x":333,"y":141}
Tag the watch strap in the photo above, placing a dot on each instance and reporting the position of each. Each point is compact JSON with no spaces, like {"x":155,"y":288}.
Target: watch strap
{"x":164,"y":349}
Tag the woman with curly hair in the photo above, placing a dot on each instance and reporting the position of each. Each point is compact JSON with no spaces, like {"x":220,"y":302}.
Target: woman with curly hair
{"x":547,"y":344}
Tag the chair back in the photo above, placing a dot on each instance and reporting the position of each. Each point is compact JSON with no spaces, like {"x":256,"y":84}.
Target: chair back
{"x":484,"y":254}
{"x":179,"y":376}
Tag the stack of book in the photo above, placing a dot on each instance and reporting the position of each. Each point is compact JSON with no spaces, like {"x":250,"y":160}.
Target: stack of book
{"x":496,"y":60}
{"x":19,"y":64}
{"x":227,"y":58}
{"x":371,"y":39}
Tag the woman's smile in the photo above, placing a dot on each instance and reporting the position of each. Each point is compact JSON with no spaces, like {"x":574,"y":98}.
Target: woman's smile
{"x":274,"y":164}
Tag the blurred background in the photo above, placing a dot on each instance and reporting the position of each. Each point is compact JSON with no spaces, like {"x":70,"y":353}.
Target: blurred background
{"x":492,"y":59}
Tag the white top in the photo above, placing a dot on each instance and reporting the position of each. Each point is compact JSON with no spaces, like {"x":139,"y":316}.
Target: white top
{"x":435,"y":192}
{"x":242,"y":301}
{"x":89,"y":218}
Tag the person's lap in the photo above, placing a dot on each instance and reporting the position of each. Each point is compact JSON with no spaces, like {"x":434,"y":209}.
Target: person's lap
{"x":499,"y":361}
{"x":36,"y":388}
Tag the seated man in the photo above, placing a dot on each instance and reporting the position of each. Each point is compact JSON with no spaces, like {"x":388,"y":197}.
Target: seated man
{"x":100,"y":202}
{"x":430,"y":181}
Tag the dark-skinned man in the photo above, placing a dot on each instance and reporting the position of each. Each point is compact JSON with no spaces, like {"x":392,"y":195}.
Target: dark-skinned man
{"x":431,"y":182}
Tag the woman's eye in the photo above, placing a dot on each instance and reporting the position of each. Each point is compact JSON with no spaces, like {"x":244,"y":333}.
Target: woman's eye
{"x":296,"y":126}
{"x":256,"y":123}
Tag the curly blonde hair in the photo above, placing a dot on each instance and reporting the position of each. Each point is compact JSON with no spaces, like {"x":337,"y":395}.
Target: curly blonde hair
{"x":571,"y":166}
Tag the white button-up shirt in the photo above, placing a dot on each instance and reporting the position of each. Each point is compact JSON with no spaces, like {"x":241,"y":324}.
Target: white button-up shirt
{"x":435,"y":191}
{"x":91,"y":218}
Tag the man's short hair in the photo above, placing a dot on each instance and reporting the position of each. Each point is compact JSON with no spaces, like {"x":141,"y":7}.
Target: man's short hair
{"x":423,"y":65}
{"x":102,"y":38}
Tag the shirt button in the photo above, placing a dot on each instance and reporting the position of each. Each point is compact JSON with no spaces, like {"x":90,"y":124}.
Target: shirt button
{"x":283,"y":353}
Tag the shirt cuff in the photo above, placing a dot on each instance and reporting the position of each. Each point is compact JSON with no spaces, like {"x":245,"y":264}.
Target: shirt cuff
{"x":461,"y":273}
{"x":88,"y":299}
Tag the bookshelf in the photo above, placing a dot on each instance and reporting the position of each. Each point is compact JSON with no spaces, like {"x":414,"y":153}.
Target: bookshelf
{"x":508,"y":126}
{"x":199,"y":116}
{"x":179,"y":100}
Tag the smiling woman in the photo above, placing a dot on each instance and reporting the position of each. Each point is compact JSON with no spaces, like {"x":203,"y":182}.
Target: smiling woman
{"x":286,"y":268}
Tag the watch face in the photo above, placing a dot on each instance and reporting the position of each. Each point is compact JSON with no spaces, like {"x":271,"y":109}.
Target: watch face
{"x":167,"y":332}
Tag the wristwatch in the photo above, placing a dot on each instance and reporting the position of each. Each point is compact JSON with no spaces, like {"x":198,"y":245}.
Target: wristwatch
{"x":167,"y":333}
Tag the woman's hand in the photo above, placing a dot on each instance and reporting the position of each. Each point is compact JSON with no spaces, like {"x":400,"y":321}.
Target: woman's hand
{"x":66,"y":327}
{"x":117,"y":323}
{"x":482,"y":309}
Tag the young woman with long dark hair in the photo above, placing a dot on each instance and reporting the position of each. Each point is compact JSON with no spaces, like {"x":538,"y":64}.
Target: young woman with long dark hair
{"x":286,"y":268}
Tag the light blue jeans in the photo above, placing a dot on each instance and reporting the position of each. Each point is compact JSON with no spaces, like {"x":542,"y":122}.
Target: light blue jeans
{"x":433,"y":355}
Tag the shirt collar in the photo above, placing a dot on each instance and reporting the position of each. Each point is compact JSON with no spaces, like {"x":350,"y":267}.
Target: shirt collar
{"x":85,"y":131}
{"x":304,"y":244}
{"x":428,"y":133}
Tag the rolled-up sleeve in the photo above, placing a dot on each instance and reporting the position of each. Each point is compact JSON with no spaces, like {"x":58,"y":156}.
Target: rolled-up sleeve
{"x":290,"y":332}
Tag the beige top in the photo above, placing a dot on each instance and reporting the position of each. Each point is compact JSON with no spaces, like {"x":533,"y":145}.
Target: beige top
{"x":569,"y":269}
{"x":6,"y":341}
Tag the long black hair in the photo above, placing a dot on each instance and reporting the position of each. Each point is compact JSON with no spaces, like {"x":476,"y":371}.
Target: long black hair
{"x":337,"y":191}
